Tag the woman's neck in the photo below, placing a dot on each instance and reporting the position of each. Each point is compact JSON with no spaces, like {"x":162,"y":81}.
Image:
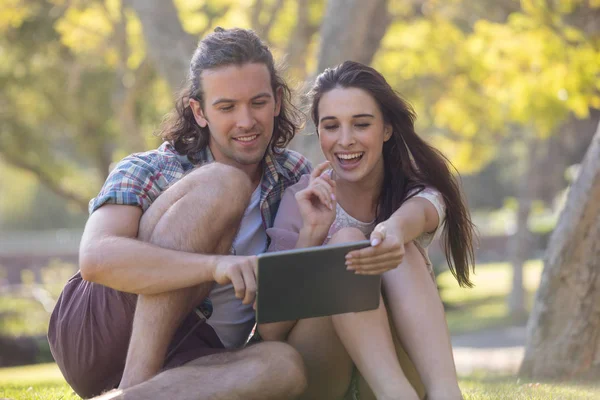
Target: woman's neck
{"x":360,"y":199}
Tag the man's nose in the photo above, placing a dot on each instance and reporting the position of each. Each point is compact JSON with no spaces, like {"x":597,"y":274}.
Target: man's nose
{"x":245,"y":118}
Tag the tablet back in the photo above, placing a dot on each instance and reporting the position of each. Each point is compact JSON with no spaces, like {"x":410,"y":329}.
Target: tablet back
{"x":312,"y":282}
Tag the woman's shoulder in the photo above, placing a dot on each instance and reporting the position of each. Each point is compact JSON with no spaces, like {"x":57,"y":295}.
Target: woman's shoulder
{"x":300,"y":185}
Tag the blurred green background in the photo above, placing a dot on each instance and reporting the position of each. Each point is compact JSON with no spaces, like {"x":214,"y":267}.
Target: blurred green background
{"x":508,"y":90}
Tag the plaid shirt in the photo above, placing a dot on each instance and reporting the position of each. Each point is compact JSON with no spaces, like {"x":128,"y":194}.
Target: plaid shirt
{"x":140,"y":178}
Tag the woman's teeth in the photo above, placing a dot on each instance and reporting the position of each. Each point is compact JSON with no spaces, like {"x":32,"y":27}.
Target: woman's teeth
{"x":349,"y":157}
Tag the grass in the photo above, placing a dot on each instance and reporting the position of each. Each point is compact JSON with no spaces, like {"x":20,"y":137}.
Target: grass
{"x":44,"y":381}
{"x":41,"y":381}
{"x":468,"y":310}
{"x":484,"y":306}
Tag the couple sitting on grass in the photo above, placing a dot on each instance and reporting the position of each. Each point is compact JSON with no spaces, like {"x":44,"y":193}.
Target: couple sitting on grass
{"x":162,"y":306}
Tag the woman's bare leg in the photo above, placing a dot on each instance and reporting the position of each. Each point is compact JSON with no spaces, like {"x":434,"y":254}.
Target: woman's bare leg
{"x":418,"y":316}
{"x":368,"y":339}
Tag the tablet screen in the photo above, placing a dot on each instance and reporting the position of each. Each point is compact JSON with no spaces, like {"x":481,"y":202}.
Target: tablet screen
{"x":313,"y":282}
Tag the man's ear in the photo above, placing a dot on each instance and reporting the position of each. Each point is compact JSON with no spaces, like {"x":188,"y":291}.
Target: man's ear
{"x":278,"y":97}
{"x":387,"y":132}
{"x":198,"y":113}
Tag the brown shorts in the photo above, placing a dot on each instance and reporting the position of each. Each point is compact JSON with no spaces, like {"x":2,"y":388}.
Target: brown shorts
{"x":89,"y":333}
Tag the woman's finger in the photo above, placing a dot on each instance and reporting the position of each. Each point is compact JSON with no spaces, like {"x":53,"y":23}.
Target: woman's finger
{"x":373,"y":272}
{"x":319,"y":170}
{"x":325,"y":196}
{"x":378,"y":234}
{"x":391,"y":263}
{"x":388,"y":255}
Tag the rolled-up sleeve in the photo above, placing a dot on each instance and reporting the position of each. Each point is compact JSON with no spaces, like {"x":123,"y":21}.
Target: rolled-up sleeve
{"x":133,"y":181}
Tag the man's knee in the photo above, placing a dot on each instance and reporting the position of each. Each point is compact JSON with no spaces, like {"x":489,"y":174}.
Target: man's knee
{"x":213,"y":195}
{"x":283,"y":358}
{"x":347,"y":235}
{"x":231,"y":183}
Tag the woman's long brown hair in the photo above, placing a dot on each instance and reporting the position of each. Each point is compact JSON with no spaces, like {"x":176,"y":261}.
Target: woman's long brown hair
{"x":409,"y":162}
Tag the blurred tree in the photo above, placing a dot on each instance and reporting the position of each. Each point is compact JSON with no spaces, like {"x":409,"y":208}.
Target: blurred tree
{"x":517,"y":75}
{"x":563,"y":333}
{"x":77,"y":92}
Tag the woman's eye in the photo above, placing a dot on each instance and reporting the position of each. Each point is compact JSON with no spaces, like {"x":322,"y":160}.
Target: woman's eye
{"x":363,"y":125}
{"x":259,"y":103}
{"x":330,"y":127}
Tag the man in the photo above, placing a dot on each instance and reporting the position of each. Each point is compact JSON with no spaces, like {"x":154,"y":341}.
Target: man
{"x":171,"y":229}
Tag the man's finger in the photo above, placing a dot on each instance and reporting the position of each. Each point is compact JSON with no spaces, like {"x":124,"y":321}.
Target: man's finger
{"x":238,"y":284}
{"x":250,"y":283}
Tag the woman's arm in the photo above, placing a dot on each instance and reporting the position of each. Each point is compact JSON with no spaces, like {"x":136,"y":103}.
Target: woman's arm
{"x":421,"y":214}
{"x":305,"y":214}
{"x":414,"y":218}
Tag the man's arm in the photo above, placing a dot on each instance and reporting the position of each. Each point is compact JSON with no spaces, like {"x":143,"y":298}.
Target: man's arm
{"x":110,"y":254}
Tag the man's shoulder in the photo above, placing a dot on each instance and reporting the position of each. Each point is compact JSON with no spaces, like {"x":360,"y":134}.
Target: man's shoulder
{"x":162,"y":159}
{"x":294,"y":163}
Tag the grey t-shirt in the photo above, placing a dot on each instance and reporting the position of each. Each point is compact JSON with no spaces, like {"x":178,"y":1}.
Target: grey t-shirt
{"x":232,"y":320}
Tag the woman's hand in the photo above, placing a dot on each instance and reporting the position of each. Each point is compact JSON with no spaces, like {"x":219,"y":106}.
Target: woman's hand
{"x":317,"y":203}
{"x":385,"y":253}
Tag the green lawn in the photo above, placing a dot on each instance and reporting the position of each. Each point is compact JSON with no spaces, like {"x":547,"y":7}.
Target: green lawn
{"x":484,"y":306}
{"x":44,"y":381}
{"x":468,"y":310}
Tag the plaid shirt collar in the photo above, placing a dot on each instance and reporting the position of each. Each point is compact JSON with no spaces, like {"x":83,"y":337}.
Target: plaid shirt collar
{"x":272,"y":168}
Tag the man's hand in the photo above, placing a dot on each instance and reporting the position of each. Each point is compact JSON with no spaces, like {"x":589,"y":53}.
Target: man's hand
{"x":385,"y":253}
{"x":241,"y":272}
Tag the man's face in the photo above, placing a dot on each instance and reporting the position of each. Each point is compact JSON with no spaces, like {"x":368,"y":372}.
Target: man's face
{"x":239,"y":109}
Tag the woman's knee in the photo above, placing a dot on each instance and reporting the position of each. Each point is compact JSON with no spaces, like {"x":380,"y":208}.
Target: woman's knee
{"x":347,"y":235}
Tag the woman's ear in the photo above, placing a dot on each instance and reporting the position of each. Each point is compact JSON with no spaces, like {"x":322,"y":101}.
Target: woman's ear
{"x":198,"y":113}
{"x":387,"y":132}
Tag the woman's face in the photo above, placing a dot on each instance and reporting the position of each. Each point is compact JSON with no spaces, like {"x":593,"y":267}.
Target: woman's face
{"x":352,"y":133}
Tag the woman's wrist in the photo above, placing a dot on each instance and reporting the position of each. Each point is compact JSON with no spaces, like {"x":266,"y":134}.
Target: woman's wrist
{"x":394,"y":227}
{"x":311,"y":236}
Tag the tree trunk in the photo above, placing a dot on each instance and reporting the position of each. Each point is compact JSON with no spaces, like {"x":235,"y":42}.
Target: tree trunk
{"x":169,"y":47}
{"x":520,"y":243}
{"x":563,"y":333}
{"x":369,"y":21}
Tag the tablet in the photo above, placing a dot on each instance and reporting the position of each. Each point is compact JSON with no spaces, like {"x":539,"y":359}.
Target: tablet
{"x":312,"y":282}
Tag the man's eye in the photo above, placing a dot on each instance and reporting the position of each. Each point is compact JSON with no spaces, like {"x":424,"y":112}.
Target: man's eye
{"x":226,"y":108}
{"x":330,"y":127}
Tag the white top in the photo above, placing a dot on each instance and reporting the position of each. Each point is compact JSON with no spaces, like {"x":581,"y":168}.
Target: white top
{"x":345,"y":220}
{"x":232,"y":320}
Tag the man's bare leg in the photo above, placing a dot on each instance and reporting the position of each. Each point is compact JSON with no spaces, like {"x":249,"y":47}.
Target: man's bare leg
{"x":192,"y":215}
{"x":270,"y":370}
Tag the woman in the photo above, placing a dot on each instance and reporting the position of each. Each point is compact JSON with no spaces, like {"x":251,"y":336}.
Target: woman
{"x":387,"y":184}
